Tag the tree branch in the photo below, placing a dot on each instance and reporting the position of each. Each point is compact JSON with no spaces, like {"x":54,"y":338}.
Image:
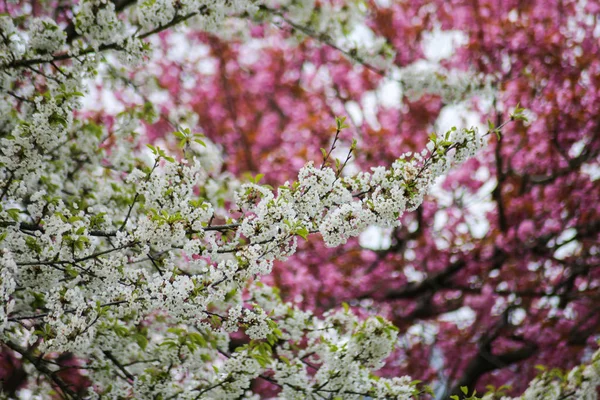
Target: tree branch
{"x":37,"y":363}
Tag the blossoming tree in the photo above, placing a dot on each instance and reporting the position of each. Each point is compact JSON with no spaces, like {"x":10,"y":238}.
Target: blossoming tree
{"x":132,"y":271}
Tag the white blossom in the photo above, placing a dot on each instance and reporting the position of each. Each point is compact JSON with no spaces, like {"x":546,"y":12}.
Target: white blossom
{"x":132,"y":264}
{"x":45,"y":36}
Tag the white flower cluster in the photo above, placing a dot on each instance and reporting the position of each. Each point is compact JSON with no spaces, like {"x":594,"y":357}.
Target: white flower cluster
{"x":452,"y":86}
{"x":134,"y":51}
{"x":342,"y":207}
{"x":235,"y":376}
{"x":45,"y":36}
{"x":210,"y":15}
{"x":48,"y":125}
{"x":13,"y":44}
{"x":255,"y":320}
{"x":98,"y":22}
{"x":346,"y":221}
{"x":138,"y":270}
{"x":334,"y":22}
{"x":153,"y":13}
{"x":8,"y":269}
{"x":381,"y":197}
{"x":344,"y":348}
{"x":581,"y":383}
{"x":170,"y":191}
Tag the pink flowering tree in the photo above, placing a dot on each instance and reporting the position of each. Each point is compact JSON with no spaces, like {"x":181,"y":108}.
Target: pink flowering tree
{"x":180,"y":220}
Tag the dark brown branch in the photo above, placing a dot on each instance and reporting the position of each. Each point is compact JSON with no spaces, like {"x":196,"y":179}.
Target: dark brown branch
{"x":225,"y":227}
{"x":120,"y":366}
{"x":33,"y":228}
{"x":137,"y":195}
{"x":431,"y":283}
{"x":500,"y":177}
{"x":27,"y":63}
{"x":485,"y":362}
{"x":38,"y":364}
{"x":43,"y":315}
{"x":99,"y":233}
{"x":7,"y":185}
{"x":323,"y":39}
{"x":77,"y":260}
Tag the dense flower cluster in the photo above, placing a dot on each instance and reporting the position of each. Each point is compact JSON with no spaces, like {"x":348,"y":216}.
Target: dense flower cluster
{"x":503,"y":257}
{"x":137,"y":270}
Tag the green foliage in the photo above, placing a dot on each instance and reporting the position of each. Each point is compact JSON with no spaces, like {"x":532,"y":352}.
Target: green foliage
{"x":518,"y":114}
{"x":340,"y":123}
{"x":160,"y":153}
{"x":186,"y":136}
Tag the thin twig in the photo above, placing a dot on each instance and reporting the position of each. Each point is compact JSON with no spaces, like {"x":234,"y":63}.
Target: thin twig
{"x":122,"y":368}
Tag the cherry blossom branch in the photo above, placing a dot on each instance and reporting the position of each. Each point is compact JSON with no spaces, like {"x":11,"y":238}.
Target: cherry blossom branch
{"x":322,"y":39}
{"x":38,"y":365}
{"x":137,"y":194}
{"x":69,"y":311}
{"x":27,"y":63}
{"x":120,"y":366}
{"x":120,"y":5}
{"x":78,"y":260}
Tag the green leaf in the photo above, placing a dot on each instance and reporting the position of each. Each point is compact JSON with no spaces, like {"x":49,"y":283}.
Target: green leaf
{"x":32,"y":244}
{"x":141,"y":340}
{"x":179,"y":134}
{"x":517,"y":114}
{"x":464,"y":389}
{"x":302,"y":232}
{"x":231,"y":294}
{"x":57,"y":119}
{"x":339,"y":123}
{"x":285,"y":360}
{"x":71,"y":271}
{"x":215,"y":321}
{"x":197,"y":338}
{"x":14,"y":213}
